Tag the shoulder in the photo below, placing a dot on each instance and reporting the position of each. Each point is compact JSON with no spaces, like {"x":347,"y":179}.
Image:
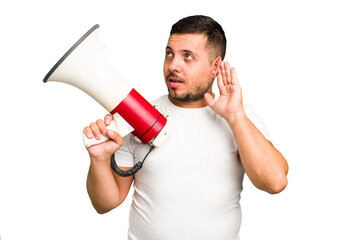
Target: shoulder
{"x":163,"y":105}
{"x":160,"y":101}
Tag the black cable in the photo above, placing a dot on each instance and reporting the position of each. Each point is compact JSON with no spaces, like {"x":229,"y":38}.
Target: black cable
{"x":130,"y":172}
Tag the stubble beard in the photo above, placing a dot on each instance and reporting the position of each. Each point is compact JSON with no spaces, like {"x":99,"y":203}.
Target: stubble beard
{"x":191,"y":96}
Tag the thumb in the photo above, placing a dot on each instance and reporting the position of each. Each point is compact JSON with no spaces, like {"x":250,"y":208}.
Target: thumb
{"x":115,"y":136}
{"x":209,"y":100}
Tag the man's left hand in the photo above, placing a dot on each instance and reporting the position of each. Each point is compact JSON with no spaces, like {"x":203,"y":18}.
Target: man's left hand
{"x":229,"y":105}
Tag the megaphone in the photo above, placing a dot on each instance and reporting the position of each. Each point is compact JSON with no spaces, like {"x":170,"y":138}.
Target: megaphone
{"x":86,"y":67}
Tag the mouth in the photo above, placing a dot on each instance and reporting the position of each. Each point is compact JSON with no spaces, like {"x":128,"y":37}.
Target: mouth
{"x":175,"y":82}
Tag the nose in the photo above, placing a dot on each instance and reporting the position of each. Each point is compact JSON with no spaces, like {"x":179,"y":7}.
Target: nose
{"x":175,"y":65}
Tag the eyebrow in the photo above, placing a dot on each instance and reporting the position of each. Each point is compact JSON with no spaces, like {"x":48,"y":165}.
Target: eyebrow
{"x":184,"y":50}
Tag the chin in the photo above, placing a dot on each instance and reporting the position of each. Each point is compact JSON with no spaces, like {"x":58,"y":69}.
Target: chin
{"x":186,"y":97}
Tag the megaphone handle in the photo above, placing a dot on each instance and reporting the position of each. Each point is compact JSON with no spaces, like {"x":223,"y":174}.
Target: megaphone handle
{"x":118,"y":124}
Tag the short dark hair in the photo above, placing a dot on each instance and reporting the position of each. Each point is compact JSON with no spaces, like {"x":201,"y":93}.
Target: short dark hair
{"x":200,"y":24}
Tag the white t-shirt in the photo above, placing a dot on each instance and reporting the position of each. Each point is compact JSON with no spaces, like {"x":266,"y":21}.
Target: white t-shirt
{"x":189,"y":188}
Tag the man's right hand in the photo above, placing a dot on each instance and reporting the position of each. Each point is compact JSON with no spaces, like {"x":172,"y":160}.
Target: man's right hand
{"x":103,"y":151}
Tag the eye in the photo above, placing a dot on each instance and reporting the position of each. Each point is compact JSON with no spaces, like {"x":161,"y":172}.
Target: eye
{"x":169,"y":54}
{"x":188,"y":56}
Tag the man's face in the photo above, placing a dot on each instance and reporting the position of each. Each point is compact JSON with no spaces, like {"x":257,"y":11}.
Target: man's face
{"x":187,"y":69}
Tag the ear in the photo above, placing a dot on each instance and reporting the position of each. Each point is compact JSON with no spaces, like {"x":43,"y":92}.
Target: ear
{"x":215,"y":67}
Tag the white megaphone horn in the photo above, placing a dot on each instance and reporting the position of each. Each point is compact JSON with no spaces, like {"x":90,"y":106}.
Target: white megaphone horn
{"x":85,"y":66}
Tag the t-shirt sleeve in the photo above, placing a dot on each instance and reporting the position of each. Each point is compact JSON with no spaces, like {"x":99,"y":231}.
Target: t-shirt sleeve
{"x":257,"y":121}
{"x":124,"y":157}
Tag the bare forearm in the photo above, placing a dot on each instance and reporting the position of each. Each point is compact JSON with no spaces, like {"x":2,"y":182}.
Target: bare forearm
{"x":265,"y":166}
{"x":106,"y":190}
{"x":102,"y":187}
{"x":263,"y":163}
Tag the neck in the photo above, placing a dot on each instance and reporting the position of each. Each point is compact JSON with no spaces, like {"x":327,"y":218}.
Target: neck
{"x":194,"y":104}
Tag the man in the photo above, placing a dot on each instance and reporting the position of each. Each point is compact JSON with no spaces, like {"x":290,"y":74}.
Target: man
{"x":189,"y":188}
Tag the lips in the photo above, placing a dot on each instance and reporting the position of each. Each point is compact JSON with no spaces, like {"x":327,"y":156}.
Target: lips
{"x":175,"y":82}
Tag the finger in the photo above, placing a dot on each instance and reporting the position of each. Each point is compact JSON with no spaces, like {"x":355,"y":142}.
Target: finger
{"x":95,"y":130}
{"x":209,"y":99}
{"x":221,"y":86}
{"x":220,"y":79}
{"x":223,"y":75}
{"x":101,"y":126}
{"x":88,"y":133}
{"x":108,"y":118}
{"x":234,"y":79}
{"x":227,"y":72}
